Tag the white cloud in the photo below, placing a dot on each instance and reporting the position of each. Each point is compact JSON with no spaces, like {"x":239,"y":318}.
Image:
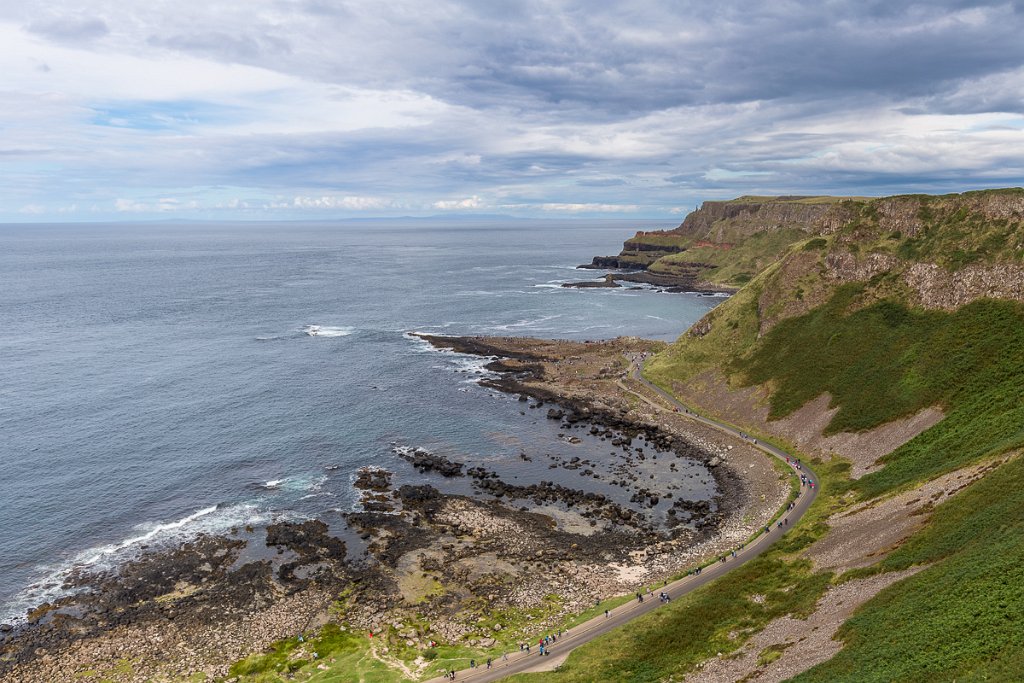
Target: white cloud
{"x":268,"y":106}
{"x":80,"y":72}
{"x":473,"y":202}
{"x":590,"y":207}
{"x":161,"y":205}
{"x":348,"y":202}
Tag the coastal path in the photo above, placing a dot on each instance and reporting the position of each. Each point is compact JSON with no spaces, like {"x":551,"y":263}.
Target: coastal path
{"x":522,"y":662}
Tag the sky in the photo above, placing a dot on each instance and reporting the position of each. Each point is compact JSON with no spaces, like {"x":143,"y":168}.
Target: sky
{"x":318,"y":109}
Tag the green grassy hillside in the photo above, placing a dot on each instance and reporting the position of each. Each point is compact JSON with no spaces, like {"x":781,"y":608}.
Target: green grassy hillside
{"x":820,"y":320}
{"x":887,"y":361}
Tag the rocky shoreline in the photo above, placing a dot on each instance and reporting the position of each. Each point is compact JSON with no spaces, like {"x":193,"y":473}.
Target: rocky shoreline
{"x":689,"y":283}
{"x":421,"y":563}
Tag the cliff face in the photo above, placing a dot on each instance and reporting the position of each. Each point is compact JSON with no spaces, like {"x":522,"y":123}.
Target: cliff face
{"x":640,"y":251}
{"x":738,"y":219}
{"x":948,"y":250}
{"x":935,"y":253}
{"x":724,"y":224}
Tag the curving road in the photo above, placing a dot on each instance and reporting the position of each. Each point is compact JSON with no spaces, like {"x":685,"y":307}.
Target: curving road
{"x":521,"y":662}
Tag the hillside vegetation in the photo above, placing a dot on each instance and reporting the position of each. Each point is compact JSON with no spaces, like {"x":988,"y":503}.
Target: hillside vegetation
{"x":888,"y":306}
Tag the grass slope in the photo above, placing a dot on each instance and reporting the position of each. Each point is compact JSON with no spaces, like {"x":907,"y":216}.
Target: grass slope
{"x":961,"y":619}
{"x":886,"y":361}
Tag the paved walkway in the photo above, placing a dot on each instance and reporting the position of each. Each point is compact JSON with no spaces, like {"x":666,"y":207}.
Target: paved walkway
{"x":521,"y":662}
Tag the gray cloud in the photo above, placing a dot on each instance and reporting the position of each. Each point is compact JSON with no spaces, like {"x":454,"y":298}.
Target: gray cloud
{"x":249,"y":47}
{"x":70,"y":29}
{"x":640,"y":101}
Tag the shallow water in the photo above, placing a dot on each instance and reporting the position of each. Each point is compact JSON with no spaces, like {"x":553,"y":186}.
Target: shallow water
{"x":160,"y":380}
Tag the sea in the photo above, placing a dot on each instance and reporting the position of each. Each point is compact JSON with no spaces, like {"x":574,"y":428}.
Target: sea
{"x":160,"y":380}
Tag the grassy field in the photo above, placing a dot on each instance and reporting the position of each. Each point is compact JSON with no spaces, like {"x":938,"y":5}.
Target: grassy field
{"x":718,"y":618}
{"x":733,"y":331}
{"x":962,"y":618}
{"x":331,"y":656}
{"x":816,"y":199}
{"x":886,"y":361}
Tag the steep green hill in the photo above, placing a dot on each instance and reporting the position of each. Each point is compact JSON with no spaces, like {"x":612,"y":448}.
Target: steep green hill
{"x":888,"y":306}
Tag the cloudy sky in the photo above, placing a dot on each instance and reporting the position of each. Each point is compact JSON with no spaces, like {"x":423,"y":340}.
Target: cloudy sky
{"x":320,"y":108}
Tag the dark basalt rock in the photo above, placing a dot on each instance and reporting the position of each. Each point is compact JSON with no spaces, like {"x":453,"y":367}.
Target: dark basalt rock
{"x":607,"y":281}
{"x":425,"y":461}
{"x":309,"y":540}
{"x":423,"y":497}
{"x":372,"y":479}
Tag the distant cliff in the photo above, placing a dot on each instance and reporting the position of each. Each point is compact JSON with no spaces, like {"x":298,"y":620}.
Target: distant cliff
{"x":725,"y":244}
{"x":690,"y":256}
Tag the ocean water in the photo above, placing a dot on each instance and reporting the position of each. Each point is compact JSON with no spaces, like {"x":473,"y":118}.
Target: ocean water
{"x":158,"y":380}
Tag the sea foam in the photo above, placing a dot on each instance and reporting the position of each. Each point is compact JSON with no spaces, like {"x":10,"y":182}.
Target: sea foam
{"x":327,"y":331}
{"x":51,"y":582}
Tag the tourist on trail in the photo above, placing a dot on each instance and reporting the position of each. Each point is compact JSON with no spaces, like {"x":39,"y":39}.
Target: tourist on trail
{"x":472,"y":664}
{"x":488,"y":662}
{"x":606,"y":614}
